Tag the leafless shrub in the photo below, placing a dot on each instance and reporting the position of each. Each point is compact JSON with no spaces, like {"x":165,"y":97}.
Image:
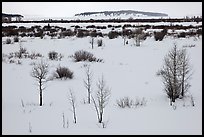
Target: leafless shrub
{"x":53,"y":55}
{"x":8,"y":41}
{"x":182,"y":35}
{"x":16,"y":39}
{"x":100,"y":42}
{"x":21,"y":53}
{"x":63,"y":72}
{"x":85,"y":56}
{"x":113,"y":34}
{"x":127,"y":102}
{"x":11,"y":61}
{"x":34,"y":55}
{"x":19,"y":62}
{"x":159,"y":35}
{"x":124,"y":102}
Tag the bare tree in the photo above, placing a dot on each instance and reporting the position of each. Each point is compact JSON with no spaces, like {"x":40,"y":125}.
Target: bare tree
{"x":124,"y":35}
{"x":40,"y":71}
{"x":92,"y":42}
{"x":63,"y":120}
{"x":139,"y":36}
{"x":30,"y":128}
{"x":88,"y":82}
{"x":175,"y":73}
{"x":185,"y":72}
{"x":72,"y":101}
{"x":101,"y":99}
{"x":92,"y":35}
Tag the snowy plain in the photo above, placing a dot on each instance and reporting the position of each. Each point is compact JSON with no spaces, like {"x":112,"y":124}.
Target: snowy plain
{"x":128,"y":70}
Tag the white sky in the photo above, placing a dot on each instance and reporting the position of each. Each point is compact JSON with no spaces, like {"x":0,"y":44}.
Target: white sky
{"x":68,"y":9}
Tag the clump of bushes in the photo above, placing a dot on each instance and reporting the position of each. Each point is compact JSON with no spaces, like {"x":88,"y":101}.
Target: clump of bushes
{"x":85,"y":56}
{"x":160,"y":35}
{"x":113,"y":34}
{"x":127,"y":102}
{"x":8,"y":41}
{"x":34,"y":55}
{"x":182,"y":35}
{"x":16,"y":39}
{"x":100,"y":42}
{"x":21,"y":53}
{"x":199,"y":31}
{"x":63,"y":72}
{"x":53,"y":55}
{"x":81,"y":33}
{"x":68,"y":33}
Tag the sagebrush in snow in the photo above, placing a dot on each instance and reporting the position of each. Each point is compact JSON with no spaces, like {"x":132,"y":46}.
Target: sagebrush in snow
{"x":127,"y":102}
{"x":63,"y":72}
{"x":85,"y":56}
{"x":100,"y":42}
{"x":8,"y":41}
{"x":16,"y":39}
{"x":53,"y":55}
{"x":160,"y":35}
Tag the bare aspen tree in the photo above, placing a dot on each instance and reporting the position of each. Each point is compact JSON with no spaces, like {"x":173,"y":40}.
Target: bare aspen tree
{"x":30,"y":128}
{"x":72,"y":101}
{"x":175,"y":73}
{"x":138,"y":33}
{"x":40,"y":71}
{"x":92,"y":42}
{"x":185,"y":72}
{"x":101,"y":99}
{"x":170,"y":73}
{"x":139,"y":36}
{"x":124,"y":36}
{"x":63,"y":120}
{"x":92,"y":35}
{"x":88,"y":82}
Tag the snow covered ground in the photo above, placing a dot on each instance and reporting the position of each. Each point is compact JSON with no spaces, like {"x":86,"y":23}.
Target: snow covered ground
{"x":128,"y":70}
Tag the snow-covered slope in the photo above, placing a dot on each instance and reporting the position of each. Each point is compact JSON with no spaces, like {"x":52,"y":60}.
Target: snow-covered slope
{"x":123,"y":14}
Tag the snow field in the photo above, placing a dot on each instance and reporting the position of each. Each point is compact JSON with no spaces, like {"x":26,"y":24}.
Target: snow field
{"x":128,"y":71}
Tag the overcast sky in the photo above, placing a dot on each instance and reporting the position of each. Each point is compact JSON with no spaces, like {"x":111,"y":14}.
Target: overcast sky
{"x":68,"y":9}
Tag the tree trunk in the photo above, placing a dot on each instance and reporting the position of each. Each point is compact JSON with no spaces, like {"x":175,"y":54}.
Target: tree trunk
{"x":40,"y":98}
{"x":40,"y":92}
{"x":89,"y":96}
{"x":74,"y":116}
{"x":173,"y":99}
{"x":101,"y":116}
{"x":100,"y":119}
{"x":92,"y":42}
{"x":182,"y":83}
{"x":124,"y":40}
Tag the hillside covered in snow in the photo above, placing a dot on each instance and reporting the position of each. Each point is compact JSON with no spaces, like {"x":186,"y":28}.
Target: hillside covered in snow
{"x":122,"y":14}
